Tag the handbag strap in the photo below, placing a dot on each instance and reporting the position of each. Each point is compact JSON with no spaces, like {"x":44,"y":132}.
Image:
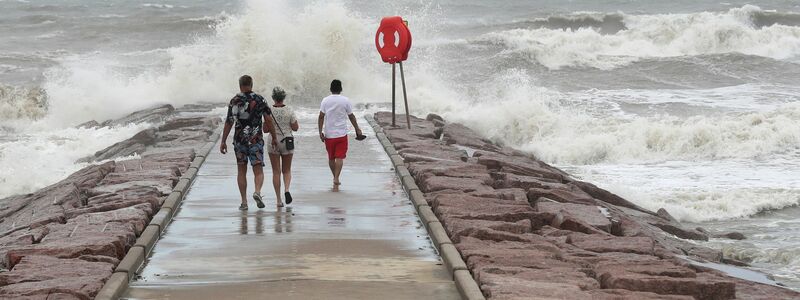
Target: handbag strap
{"x":277,"y":124}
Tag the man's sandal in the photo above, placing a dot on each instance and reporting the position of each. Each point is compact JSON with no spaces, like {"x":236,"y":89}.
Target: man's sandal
{"x":257,"y":197}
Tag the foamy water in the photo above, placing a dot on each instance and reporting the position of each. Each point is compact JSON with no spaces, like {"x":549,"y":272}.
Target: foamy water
{"x":37,"y":157}
{"x":648,"y":36}
{"x":688,"y":105}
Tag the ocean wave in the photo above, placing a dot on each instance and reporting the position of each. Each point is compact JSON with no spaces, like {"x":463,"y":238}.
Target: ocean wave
{"x":781,"y":256}
{"x":158,"y":5}
{"x":762,"y":18}
{"x":577,"y":41}
{"x":781,"y":259}
{"x":298,"y":51}
{"x":561,"y":129}
{"x":20,"y":102}
{"x":603,"y":23}
{"x":703,"y":206}
{"x":38,"y":19}
{"x":54,"y":152}
{"x":219,"y":18}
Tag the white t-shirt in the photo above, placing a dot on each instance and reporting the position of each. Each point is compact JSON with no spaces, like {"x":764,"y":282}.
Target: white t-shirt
{"x":336,"y":109}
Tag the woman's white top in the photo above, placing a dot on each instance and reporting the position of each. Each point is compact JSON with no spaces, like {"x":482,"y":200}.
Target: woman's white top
{"x":284,"y":116}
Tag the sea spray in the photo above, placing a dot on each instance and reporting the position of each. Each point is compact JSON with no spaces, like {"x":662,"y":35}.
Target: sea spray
{"x":19,"y":102}
{"x":296,"y":51}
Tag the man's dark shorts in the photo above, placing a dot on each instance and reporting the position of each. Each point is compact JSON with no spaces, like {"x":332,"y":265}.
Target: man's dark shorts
{"x":252,"y":152}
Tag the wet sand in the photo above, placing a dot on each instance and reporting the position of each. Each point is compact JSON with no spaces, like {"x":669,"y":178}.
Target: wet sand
{"x":361,"y":242}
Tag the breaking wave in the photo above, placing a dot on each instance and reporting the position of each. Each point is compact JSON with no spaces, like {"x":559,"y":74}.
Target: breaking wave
{"x":299,"y":51}
{"x":560,"y":130}
{"x":20,"y":102}
{"x":603,"y":23}
{"x":609,"y":41}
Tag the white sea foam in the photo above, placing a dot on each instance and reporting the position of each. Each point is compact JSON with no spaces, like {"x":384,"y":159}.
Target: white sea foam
{"x":20,"y":102}
{"x":744,"y":98}
{"x":295,"y":51}
{"x":557,"y":129}
{"x":649,"y":36}
{"x":158,"y":5}
{"x":40,"y":156}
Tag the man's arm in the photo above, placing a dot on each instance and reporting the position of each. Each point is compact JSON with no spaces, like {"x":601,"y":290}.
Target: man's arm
{"x":223,"y":146}
{"x":353,"y":120}
{"x":229,"y":120}
{"x":320,"y":121}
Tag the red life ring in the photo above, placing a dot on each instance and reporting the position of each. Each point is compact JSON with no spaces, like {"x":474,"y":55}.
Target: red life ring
{"x":393,"y":40}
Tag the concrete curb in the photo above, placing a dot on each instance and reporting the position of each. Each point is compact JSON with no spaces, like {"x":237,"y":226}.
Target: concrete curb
{"x":173,"y":201}
{"x":397,"y":160}
{"x":426,"y":215}
{"x":183,"y":185}
{"x":114,"y":287}
{"x":438,"y":235}
{"x":467,"y":286}
{"x":198,"y":161}
{"x":409,"y":183}
{"x":133,"y":261}
{"x":148,"y":238}
{"x":190,"y":173}
{"x":162,"y":218}
{"x":452,"y":259}
{"x":402,"y":171}
{"x":418,"y":198}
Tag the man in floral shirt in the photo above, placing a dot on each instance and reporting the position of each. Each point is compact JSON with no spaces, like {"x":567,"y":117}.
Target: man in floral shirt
{"x":247,"y":113}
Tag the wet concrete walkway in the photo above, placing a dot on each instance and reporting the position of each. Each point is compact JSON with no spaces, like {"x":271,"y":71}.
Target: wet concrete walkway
{"x":363,"y":242}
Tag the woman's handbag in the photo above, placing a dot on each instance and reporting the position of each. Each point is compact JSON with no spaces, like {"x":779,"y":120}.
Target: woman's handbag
{"x":289,"y":140}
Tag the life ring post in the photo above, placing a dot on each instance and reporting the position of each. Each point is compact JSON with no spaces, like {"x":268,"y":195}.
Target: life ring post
{"x":393,"y":41}
{"x":405,"y":96}
{"x":394,"y":94}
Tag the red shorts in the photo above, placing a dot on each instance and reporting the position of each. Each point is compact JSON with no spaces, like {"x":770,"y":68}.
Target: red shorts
{"x":337,"y":147}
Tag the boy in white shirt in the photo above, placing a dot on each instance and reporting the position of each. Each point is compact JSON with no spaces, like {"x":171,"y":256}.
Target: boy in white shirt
{"x":334,"y":112}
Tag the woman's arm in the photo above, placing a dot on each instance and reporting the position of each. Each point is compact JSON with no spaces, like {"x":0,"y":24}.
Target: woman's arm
{"x":294,"y":124}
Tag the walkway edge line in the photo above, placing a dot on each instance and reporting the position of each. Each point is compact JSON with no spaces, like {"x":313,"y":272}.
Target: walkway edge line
{"x":462,"y":277}
{"x":133,"y":261}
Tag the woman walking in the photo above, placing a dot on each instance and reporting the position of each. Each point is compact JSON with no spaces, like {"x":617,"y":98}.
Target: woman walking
{"x":285,"y":122}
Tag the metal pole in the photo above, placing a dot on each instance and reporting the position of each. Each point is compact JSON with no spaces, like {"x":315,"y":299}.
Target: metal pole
{"x":393,"y":94}
{"x":405,"y":97}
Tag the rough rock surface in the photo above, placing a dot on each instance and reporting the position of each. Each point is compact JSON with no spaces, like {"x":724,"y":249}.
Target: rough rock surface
{"x":528,"y":230}
{"x":64,"y":241}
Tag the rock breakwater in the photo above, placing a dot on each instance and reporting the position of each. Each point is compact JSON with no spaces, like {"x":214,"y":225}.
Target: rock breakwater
{"x":65,"y":240}
{"x":527,"y":230}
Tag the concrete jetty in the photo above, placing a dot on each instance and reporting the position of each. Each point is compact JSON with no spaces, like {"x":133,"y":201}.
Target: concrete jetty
{"x":362,"y":242}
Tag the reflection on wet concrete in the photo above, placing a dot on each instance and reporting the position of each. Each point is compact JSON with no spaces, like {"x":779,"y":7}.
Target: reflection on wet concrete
{"x":336,"y":216}
{"x":283,"y":220}
{"x":282,"y":217}
{"x":362,"y":242}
